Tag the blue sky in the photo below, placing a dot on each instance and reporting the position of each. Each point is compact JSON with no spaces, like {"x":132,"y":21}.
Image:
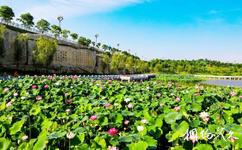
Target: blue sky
{"x":168,"y":29}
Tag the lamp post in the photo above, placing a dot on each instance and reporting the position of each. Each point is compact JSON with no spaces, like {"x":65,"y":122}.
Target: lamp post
{"x":96,"y":36}
{"x":60,"y":19}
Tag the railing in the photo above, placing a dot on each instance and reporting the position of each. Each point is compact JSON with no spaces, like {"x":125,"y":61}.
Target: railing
{"x":35,"y":30}
{"x":220,"y":77}
{"x":135,"y":77}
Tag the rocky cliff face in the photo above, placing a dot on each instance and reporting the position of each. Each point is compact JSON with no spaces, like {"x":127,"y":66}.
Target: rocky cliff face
{"x":69,"y":57}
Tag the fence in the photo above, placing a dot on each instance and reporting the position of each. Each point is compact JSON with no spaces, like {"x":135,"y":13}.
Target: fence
{"x":35,"y":30}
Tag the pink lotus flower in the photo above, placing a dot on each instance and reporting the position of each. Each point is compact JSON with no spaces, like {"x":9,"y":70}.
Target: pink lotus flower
{"x":113,"y":131}
{"x":112,"y":148}
{"x":110,"y":81}
{"x":5,"y":90}
{"x":140,"y":128}
{"x":233,"y":139}
{"x":232,"y":93}
{"x":38,"y":98}
{"x":127,"y":100}
{"x":177,"y":99}
{"x":74,"y":77}
{"x":144,"y":121}
{"x":130,"y":105}
{"x":162,"y":104}
{"x":15,"y":94}
{"x":240,"y":97}
{"x":204,"y":116}
{"x":25,"y":137}
{"x":68,"y":111}
{"x":68,"y":101}
{"x":158,"y":94}
{"x":94,"y":117}
{"x":126,"y":122}
{"x":46,"y":87}
{"x":66,"y":94}
{"x":34,"y":86}
{"x":193,"y":138}
{"x":177,"y":108}
{"x":70,"y":135}
{"x":107,"y":105}
{"x":9,"y":104}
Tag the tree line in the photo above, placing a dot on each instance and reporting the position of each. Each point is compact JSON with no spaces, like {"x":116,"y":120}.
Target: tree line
{"x":27,"y":20}
{"x":201,"y":66}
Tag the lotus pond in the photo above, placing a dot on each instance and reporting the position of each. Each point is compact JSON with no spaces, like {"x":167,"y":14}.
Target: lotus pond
{"x":60,"y":112}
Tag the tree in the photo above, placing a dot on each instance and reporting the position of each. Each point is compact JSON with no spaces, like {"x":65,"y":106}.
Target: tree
{"x":84,"y":41}
{"x":43,"y":25}
{"x":6,"y":13}
{"x":93,"y":43}
{"x":74,"y":36}
{"x":98,"y":45}
{"x":105,"y":47}
{"x":2,"y":31}
{"x":26,"y":19}
{"x":56,"y":30}
{"x":65,"y":33}
{"x":44,"y":51}
{"x":22,"y":39}
{"x":88,"y":42}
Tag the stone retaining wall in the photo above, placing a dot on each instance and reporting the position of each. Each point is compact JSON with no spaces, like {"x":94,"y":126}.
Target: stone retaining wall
{"x":68,"y":57}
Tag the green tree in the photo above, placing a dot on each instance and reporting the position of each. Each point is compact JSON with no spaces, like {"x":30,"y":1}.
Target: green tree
{"x":93,"y":43}
{"x":65,"y":33}
{"x":74,"y":36}
{"x":2,"y":31}
{"x":84,"y":41}
{"x":43,"y":25}
{"x":44,"y":51}
{"x":22,"y":38}
{"x":98,"y":45}
{"x":105,"y":47}
{"x":56,"y":30}
{"x":6,"y":13}
{"x":26,"y":19}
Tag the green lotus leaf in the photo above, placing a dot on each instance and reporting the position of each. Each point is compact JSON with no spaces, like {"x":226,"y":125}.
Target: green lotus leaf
{"x":27,"y":146}
{"x":56,"y":135}
{"x":172,"y":117}
{"x":100,"y":141}
{"x":126,"y":139}
{"x":16,"y":127}
{"x":119,"y":119}
{"x":41,"y":141}
{"x":35,"y":110}
{"x":203,"y":147}
{"x":196,"y":107}
{"x":2,"y":105}
{"x":141,"y":145}
{"x":180,"y":130}
{"x":150,"y":141}
{"x":4,"y":144}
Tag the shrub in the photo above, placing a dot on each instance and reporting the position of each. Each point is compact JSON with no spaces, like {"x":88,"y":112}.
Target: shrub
{"x":2,"y":31}
{"x":44,"y":51}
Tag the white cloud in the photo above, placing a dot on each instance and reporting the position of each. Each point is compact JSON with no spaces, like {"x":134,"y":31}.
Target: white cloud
{"x":50,"y":9}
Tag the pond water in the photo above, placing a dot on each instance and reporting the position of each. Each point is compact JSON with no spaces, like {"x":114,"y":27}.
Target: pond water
{"x":233,"y":83}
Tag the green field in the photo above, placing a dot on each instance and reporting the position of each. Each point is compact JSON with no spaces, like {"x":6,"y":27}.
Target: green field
{"x":60,"y":112}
